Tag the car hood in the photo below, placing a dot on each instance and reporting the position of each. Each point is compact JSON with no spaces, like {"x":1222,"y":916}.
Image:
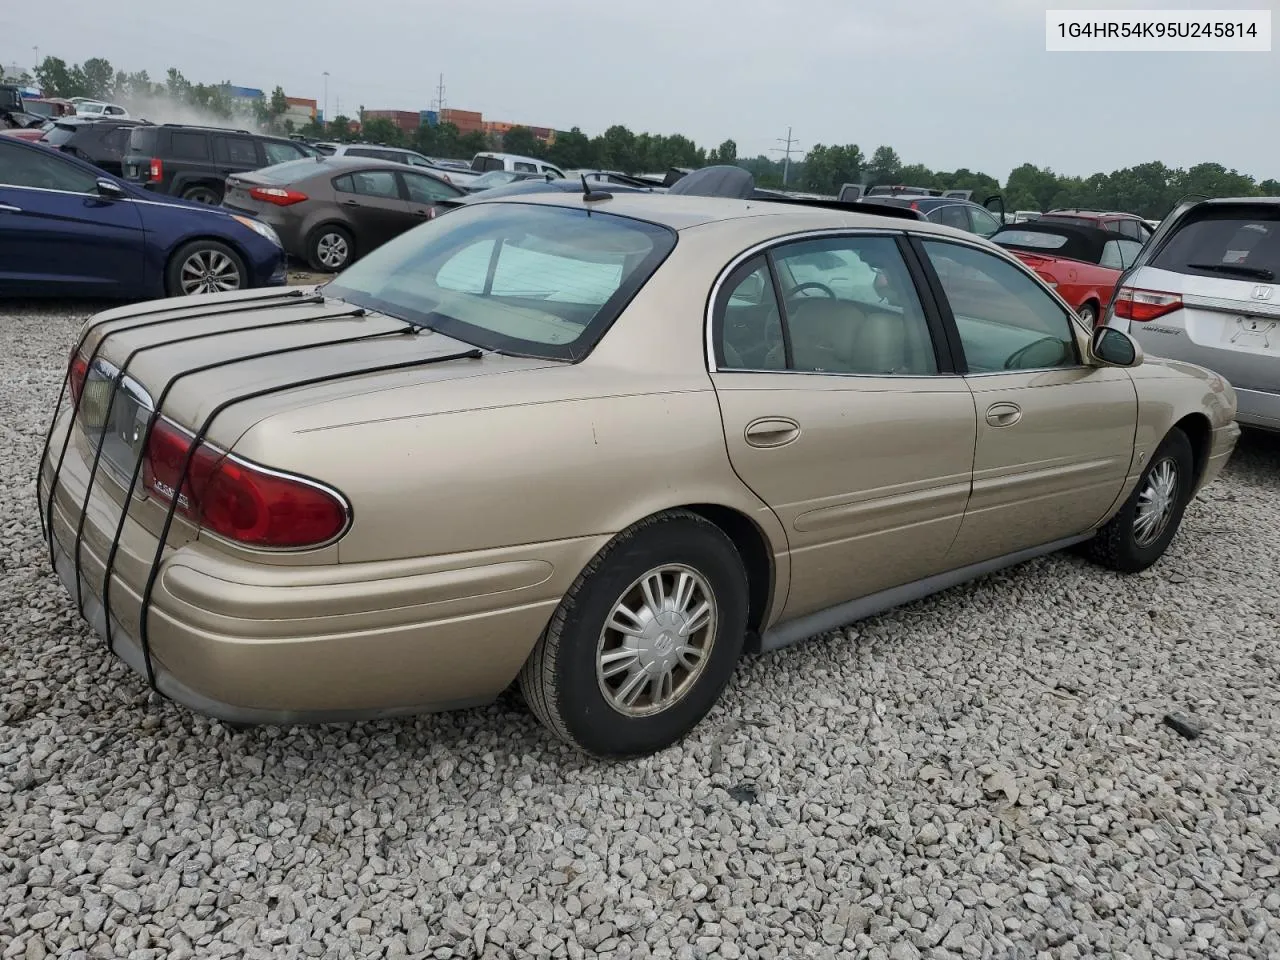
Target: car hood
{"x":285,"y":352}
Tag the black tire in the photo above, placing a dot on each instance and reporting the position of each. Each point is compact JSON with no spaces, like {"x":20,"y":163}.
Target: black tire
{"x":560,"y":681}
{"x":326,"y":241}
{"x":1117,"y":545}
{"x":203,"y":194}
{"x":177,"y":274}
{"x":1088,"y":314}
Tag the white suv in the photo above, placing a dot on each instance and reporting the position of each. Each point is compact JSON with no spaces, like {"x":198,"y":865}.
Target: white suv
{"x":1204,"y":289}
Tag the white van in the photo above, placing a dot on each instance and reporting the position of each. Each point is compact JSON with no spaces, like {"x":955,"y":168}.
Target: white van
{"x":484,"y":162}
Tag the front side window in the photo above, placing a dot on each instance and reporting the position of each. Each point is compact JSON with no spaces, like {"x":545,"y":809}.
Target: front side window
{"x":42,"y":170}
{"x":526,"y":278}
{"x":1006,"y":321}
{"x":525,"y":167}
{"x":280,"y":152}
{"x":428,"y":189}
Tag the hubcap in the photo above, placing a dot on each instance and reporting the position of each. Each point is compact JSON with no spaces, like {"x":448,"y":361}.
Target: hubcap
{"x":332,"y":250}
{"x":657,"y":641}
{"x":1156,"y":502}
{"x":209,"y":271}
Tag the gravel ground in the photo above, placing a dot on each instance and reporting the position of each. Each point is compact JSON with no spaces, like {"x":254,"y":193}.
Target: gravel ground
{"x":984,"y":774}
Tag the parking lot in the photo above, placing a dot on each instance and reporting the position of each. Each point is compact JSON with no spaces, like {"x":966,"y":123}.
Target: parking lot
{"x":987,"y":773}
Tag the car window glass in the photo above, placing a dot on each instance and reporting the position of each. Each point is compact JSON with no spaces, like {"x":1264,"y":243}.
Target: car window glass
{"x":280,"y":152}
{"x":188,"y":146}
{"x":35,"y":168}
{"x":414,"y":160}
{"x":1005,"y":319}
{"x":359,"y":152}
{"x":427,"y":189}
{"x":1118,"y":254}
{"x":525,"y":167}
{"x":951,"y":215}
{"x":344,"y":184}
{"x":1228,"y":237}
{"x":748,"y":323}
{"x":239,"y":150}
{"x":116,"y":140}
{"x":984,"y":224}
{"x":376,"y":183}
{"x":851,"y":307}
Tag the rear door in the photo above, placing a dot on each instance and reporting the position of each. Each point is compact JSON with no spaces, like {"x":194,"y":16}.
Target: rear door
{"x":840,"y":413}
{"x":58,"y":233}
{"x":374,"y":205}
{"x":1054,"y":436}
{"x":1210,"y":295}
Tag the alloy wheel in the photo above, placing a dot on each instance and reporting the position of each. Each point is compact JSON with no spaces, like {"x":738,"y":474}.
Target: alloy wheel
{"x":332,"y":250}
{"x":656,"y":641}
{"x":209,"y":271}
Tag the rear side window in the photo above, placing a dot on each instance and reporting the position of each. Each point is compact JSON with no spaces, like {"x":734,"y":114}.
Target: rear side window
{"x":239,"y":150}
{"x":361,"y":152}
{"x":1229,"y":242}
{"x":188,"y":146}
{"x":485,"y":164}
{"x":143,"y":140}
{"x":369,"y":183}
{"x":538,"y":280}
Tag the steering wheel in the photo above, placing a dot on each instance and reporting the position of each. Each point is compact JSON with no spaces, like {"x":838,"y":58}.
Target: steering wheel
{"x":1014,"y":362}
{"x":815,"y":285}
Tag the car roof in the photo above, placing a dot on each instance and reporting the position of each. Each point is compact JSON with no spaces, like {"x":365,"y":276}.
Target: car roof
{"x":682,"y":212}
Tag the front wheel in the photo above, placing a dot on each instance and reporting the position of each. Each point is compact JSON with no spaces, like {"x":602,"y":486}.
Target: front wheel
{"x":645,"y":641}
{"x":205,"y":266}
{"x":1139,"y":534}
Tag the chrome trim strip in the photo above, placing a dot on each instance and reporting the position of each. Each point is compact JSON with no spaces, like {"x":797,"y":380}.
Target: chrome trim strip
{"x":208,"y":208}
{"x":1257,"y":308}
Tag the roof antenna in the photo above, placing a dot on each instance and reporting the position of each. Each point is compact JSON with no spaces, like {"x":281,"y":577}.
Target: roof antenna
{"x":588,"y":195}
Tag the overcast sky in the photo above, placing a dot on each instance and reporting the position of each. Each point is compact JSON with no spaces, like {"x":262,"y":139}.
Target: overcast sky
{"x":948,"y":83}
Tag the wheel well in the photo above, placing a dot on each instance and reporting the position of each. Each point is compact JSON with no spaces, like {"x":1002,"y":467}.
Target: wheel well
{"x":753,"y":547}
{"x":1196,"y":427}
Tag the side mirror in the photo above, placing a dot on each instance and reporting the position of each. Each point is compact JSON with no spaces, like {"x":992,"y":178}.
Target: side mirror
{"x":109,"y":189}
{"x":1110,"y":347}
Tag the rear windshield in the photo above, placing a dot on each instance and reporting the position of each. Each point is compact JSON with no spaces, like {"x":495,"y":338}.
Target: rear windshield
{"x":1028,"y":238}
{"x":486,"y":163}
{"x":1076,"y":221}
{"x":1240,"y":242}
{"x":143,"y":140}
{"x":528,"y":279}
{"x":288,"y":172}
{"x":60,"y":134}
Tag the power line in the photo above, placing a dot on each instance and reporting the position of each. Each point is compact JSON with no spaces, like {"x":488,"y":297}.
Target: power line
{"x":791,"y":144}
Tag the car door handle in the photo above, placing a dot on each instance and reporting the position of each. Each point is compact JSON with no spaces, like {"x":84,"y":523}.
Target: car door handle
{"x":422,"y":213}
{"x":772,"y":432}
{"x":1003,"y":414}
{"x":351,"y":203}
{"x":9,"y":208}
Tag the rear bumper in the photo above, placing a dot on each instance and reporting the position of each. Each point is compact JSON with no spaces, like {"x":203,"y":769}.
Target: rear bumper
{"x":1222,"y":444}
{"x":254,"y":642}
{"x":1258,"y":408}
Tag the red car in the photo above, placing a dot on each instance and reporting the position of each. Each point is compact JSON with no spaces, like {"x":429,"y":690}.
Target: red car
{"x":1081,"y":263}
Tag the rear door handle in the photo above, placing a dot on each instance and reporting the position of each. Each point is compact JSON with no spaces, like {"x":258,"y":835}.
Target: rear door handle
{"x":351,"y":203}
{"x":9,"y":208}
{"x":1003,"y":414}
{"x":772,"y":432}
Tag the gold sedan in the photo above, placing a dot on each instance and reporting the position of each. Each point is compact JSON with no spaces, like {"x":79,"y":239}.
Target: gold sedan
{"x":599,"y":446}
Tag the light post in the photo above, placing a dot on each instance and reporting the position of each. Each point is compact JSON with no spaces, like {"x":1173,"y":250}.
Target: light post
{"x":326,"y":100}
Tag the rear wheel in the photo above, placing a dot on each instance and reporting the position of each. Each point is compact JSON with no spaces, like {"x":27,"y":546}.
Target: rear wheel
{"x":202,"y":195}
{"x":205,"y":266}
{"x":1139,"y":534}
{"x":645,"y":640}
{"x":330,"y":249}
{"x":1089,"y":314}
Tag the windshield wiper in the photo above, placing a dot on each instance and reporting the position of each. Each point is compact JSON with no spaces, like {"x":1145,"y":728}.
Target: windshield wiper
{"x":1239,"y":269}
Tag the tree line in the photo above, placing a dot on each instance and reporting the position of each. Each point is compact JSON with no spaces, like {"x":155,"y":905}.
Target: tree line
{"x":1148,"y":189}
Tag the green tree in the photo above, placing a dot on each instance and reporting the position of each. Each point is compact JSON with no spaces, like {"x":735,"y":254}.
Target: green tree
{"x":827,"y":169}
{"x":727,"y":152}
{"x":340,"y":127}
{"x":56,"y":79}
{"x":1030,"y":188}
{"x":522,"y":141}
{"x":1269,"y":188}
{"x":176,"y":85}
{"x":381,"y":130}
{"x":885,"y":167}
{"x":99,"y":78}
{"x":270,"y":110}
{"x":615,"y":149}
{"x":572,"y":150}
{"x":469,"y":144}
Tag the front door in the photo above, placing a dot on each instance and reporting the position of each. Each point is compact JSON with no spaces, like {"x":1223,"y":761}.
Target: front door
{"x":374,"y":207}
{"x":839,"y":415}
{"x":58,"y":233}
{"x":1055,"y":436}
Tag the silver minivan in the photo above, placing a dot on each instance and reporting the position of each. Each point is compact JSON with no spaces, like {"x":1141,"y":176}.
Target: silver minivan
{"x":1204,"y":289}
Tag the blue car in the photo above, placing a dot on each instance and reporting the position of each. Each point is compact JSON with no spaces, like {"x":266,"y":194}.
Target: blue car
{"x":68,"y":229}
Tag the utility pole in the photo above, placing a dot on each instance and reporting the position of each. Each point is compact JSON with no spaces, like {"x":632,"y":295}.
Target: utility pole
{"x":791,"y":144}
{"x":439,"y":101}
{"x":325,"y":115}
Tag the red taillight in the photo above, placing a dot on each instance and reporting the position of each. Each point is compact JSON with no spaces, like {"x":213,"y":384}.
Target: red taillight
{"x":915,"y":205}
{"x":1145,"y":305}
{"x":236,"y":500}
{"x":277,"y":195}
{"x":79,"y":371}
{"x":156,"y":173}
